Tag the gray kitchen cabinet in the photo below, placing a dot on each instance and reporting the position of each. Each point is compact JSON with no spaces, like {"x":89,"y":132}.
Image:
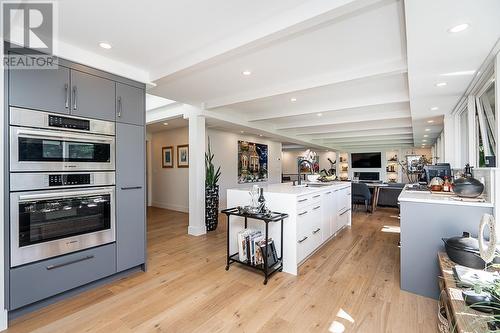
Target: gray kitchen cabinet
{"x":130,"y":104}
{"x":45,"y":90}
{"x":92,"y":96}
{"x":130,"y":196}
{"x":34,"y":282}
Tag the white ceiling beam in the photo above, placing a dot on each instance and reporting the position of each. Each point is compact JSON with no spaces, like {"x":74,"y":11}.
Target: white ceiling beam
{"x":369,"y":72}
{"x":344,"y":118}
{"x":374,"y":143}
{"x":365,"y":139}
{"x":369,"y":147}
{"x":305,"y":16}
{"x":354,"y":126}
{"x":357,"y":133}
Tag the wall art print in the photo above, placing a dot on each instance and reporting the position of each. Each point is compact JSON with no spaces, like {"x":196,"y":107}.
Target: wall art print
{"x":252,"y":162}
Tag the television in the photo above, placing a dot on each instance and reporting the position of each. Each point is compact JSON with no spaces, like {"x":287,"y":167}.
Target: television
{"x":366,"y":160}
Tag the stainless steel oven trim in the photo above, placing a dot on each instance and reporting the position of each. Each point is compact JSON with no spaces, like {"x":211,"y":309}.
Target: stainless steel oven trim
{"x":28,"y":181}
{"x":40,"y":119}
{"x":35,"y":252}
{"x":16,"y":165}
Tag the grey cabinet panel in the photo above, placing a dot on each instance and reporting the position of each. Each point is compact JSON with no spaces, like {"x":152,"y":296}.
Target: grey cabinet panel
{"x":130,"y":196}
{"x":46,"y":90}
{"x":92,"y":96}
{"x":130,"y":104}
{"x":50,"y":277}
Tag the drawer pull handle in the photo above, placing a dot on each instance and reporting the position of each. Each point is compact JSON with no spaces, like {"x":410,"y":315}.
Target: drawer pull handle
{"x":316,"y":231}
{"x":302,"y":200}
{"x":131,"y":188}
{"x":317,"y":196}
{"x":50,"y":267}
{"x":345,"y":211}
{"x":303,"y":213}
{"x":328,"y":192}
{"x":316,"y":207}
{"x":303,"y":239}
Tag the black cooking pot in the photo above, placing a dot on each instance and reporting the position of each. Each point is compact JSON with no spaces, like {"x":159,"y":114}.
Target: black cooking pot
{"x":468,"y":187}
{"x":464,"y":251}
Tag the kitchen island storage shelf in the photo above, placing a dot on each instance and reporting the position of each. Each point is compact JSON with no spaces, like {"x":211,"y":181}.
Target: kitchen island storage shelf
{"x":273,"y":217}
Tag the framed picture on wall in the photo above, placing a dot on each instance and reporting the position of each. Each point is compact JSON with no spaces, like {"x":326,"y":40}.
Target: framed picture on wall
{"x":167,"y":157}
{"x":183,"y":156}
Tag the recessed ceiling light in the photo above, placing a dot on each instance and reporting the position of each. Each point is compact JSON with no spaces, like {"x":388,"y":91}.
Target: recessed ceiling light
{"x":166,"y":124}
{"x":260,"y":134}
{"x":425,"y":136}
{"x":424,"y":140}
{"x":434,"y":108}
{"x":319,"y":114}
{"x":441,"y":84}
{"x":105,"y":45}
{"x":293,"y":99}
{"x":430,"y":121}
{"x":246,"y":73}
{"x":459,"y":73}
{"x":242,"y":132}
{"x":427,"y":129}
{"x":458,"y":28}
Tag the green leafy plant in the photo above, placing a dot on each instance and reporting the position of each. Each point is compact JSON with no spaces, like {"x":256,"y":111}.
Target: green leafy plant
{"x":211,"y":175}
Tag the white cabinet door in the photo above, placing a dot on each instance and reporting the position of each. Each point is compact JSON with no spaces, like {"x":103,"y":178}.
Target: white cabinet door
{"x":326,"y":227}
{"x":303,"y":233}
{"x":316,"y":225}
{"x":333,"y":212}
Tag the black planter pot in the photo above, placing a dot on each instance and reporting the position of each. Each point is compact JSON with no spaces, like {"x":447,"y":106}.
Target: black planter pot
{"x":211,"y":207}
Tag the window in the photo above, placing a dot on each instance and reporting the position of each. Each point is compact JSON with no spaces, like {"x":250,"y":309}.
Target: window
{"x":486,"y":126}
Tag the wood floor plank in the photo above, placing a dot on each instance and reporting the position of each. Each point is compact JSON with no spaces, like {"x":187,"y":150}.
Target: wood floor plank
{"x":349,"y":285}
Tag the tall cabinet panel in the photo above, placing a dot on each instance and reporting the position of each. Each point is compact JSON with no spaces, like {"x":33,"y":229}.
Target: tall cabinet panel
{"x":129,"y":104}
{"x":92,"y":96}
{"x":45,"y":90}
{"x":130,"y":196}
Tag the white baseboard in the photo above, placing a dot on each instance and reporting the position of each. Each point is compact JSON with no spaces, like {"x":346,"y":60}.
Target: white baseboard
{"x":164,"y":205}
{"x":3,"y":320}
{"x":197,"y":231}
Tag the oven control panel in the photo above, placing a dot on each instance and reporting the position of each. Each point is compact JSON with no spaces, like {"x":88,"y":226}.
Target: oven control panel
{"x":66,"y":122}
{"x":69,"y":179}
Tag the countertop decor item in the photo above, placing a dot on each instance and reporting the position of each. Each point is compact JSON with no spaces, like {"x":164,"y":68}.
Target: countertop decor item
{"x":436,"y":184}
{"x":464,"y":250}
{"x":211,"y":191}
{"x":468,"y":186}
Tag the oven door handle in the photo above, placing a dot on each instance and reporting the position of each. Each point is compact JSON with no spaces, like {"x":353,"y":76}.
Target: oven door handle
{"x":64,"y":194}
{"x":66,"y":136}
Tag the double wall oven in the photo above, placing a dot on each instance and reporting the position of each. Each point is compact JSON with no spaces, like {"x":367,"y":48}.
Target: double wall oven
{"x":62,"y":177}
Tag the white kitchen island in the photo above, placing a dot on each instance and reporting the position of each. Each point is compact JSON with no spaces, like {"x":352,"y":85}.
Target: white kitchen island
{"x":316,"y":214}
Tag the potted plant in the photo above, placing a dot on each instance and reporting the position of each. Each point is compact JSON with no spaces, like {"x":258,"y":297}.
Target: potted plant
{"x":211,"y":191}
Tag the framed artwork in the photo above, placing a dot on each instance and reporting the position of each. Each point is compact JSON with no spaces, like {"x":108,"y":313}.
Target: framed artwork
{"x":252,"y":162}
{"x":183,"y":156}
{"x":167,"y":157}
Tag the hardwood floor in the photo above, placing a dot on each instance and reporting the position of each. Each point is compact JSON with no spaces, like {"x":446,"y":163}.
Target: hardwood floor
{"x":350,"y":285}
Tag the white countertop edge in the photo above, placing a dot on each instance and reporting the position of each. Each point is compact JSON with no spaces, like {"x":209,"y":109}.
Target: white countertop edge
{"x":282,"y":189}
{"x":411,"y":197}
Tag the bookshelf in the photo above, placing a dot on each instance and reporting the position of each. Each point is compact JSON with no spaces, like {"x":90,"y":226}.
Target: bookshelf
{"x":343,"y":166}
{"x":392,"y":167}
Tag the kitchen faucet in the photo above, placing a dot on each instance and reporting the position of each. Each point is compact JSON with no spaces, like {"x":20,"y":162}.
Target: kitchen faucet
{"x":298,"y":168}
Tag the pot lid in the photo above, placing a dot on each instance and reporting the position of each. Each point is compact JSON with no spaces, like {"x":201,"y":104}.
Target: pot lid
{"x":464,"y":242}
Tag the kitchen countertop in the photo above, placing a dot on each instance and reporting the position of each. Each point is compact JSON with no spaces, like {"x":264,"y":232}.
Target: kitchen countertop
{"x":289,"y":189}
{"x":428,"y":197}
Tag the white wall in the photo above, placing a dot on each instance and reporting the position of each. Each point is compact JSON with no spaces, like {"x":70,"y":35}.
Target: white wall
{"x":289,"y":160}
{"x":225,"y":149}
{"x":169,"y":186}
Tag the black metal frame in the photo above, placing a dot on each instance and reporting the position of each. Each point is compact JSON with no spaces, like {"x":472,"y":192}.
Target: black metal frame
{"x":232,"y":258}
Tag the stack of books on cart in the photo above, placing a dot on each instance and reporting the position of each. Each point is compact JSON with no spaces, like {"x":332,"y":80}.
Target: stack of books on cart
{"x":251,"y":248}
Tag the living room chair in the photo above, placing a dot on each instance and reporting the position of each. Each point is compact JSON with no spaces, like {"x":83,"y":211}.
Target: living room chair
{"x":361,"y":194}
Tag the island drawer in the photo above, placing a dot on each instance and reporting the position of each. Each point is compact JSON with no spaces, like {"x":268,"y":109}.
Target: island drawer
{"x":43,"y":279}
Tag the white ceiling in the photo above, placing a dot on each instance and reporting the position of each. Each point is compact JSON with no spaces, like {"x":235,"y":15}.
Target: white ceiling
{"x":344,"y":59}
{"x":167,"y":125}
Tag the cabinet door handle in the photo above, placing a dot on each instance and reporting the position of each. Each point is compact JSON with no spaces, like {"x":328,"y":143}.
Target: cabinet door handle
{"x":50,"y":267}
{"x":66,"y":96}
{"x":303,"y":213}
{"x":302,"y":200}
{"x":316,"y":207}
{"x":345,"y":211}
{"x":75,"y":104}
{"x":131,"y":187}
{"x":119,"y":106}
{"x":316,"y":231}
{"x":317,"y":196}
{"x":328,"y":193}
{"x":303,"y":239}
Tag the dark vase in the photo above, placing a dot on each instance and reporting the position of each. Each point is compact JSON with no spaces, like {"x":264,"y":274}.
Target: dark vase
{"x":211,"y":207}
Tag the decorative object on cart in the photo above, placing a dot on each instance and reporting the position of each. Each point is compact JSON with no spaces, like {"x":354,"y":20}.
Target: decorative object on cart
{"x":252,"y":162}
{"x":464,"y":250}
{"x":211,"y":191}
{"x":250,"y":257}
{"x":487,"y":249}
{"x":167,"y":157}
{"x":468,"y":186}
{"x":413,"y":167}
{"x":183,"y":156}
